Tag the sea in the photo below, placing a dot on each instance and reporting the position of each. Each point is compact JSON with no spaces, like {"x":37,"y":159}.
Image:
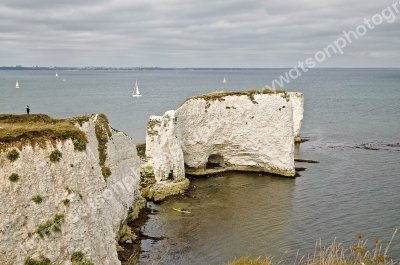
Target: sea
{"x":351,"y":121}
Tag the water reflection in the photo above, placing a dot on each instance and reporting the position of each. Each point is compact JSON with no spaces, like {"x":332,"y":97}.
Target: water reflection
{"x":233,"y":214}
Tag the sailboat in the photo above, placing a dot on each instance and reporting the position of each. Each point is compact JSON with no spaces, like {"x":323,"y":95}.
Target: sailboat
{"x":136,"y":92}
{"x":56,"y":74}
{"x":224,"y":81}
{"x":63,"y":79}
{"x":16,"y":85}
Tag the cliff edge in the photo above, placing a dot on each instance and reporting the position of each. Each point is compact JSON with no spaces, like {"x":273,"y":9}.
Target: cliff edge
{"x":66,"y":188}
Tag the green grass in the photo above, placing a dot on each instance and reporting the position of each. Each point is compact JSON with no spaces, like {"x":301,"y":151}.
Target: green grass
{"x":55,"y":156}
{"x":42,"y":261}
{"x":13,"y":155}
{"x":219,"y":95}
{"x":37,"y":129}
{"x":50,"y":226}
{"x":37,"y":199}
{"x":66,"y":202}
{"x":80,"y":145}
{"x":78,"y":258}
{"x":14,"y":177}
{"x":103,"y":132}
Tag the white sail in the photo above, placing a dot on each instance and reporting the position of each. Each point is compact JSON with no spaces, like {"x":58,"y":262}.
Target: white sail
{"x":137,"y":93}
{"x":16,"y":85}
{"x":224,"y":81}
{"x":56,"y":74}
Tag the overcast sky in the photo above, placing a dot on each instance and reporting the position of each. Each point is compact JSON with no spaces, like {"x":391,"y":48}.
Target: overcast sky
{"x":189,"y":33}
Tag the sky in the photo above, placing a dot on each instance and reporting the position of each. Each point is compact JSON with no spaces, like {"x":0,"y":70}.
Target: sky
{"x":189,"y":33}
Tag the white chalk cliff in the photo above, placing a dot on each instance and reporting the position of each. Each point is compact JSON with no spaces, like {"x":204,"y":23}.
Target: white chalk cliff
{"x":221,"y":131}
{"x":93,"y":208}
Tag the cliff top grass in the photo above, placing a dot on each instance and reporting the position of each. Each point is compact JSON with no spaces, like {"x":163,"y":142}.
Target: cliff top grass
{"x":17,"y":129}
{"x":218,"y":95}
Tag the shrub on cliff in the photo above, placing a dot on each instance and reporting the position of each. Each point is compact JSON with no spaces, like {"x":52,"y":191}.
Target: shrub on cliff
{"x":80,"y":145}
{"x":42,"y":261}
{"x":37,"y":199}
{"x":14,"y":177}
{"x":50,"y":226}
{"x":78,"y":258}
{"x":66,"y":202}
{"x":55,"y":156}
{"x":13,"y":155}
{"x":106,"y":171}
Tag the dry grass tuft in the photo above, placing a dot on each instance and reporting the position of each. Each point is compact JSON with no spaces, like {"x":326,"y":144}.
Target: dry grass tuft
{"x":19,"y":130}
{"x":335,"y":254}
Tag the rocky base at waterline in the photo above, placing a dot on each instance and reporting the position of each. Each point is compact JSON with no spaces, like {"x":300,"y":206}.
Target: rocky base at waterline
{"x":67,"y":187}
{"x":246,"y":130}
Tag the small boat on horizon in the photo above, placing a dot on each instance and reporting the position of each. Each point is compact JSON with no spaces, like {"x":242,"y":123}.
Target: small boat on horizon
{"x":224,"y":81}
{"x":56,"y":74}
{"x":16,"y":84}
{"x":136,"y":91}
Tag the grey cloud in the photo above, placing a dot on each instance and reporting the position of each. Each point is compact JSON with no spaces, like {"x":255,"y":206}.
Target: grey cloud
{"x":273,"y":33}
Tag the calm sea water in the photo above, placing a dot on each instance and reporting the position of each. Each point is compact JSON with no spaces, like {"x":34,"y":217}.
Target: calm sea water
{"x":353,"y":189}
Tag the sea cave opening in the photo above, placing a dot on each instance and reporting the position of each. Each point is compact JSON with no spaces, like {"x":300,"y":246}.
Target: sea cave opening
{"x":215,"y":161}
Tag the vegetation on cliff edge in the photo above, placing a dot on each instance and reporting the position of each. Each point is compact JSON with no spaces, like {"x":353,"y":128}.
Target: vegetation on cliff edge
{"x":37,"y":128}
{"x":103,"y":133}
{"x":219,"y":95}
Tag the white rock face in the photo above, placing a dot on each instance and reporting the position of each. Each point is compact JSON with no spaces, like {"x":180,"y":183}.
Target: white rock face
{"x":96,"y":207}
{"x":297,"y":100}
{"x":234,"y":132}
{"x":166,"y":149}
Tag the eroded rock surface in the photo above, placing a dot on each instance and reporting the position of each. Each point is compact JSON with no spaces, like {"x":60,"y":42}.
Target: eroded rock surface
{"x":226,"y":131}
{"x":90,"y":206}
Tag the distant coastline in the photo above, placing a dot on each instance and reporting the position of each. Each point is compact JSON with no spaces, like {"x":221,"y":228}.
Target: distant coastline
{"x":122,"y":68}
{"x":159,"y":68}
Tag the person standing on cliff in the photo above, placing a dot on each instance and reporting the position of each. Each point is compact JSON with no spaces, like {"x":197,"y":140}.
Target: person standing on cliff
{"x":27,"y":110}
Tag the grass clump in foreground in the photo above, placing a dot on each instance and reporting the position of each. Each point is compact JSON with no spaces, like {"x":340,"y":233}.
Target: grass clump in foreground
{"x":335,"y":254}
{"x":37,"y":128}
